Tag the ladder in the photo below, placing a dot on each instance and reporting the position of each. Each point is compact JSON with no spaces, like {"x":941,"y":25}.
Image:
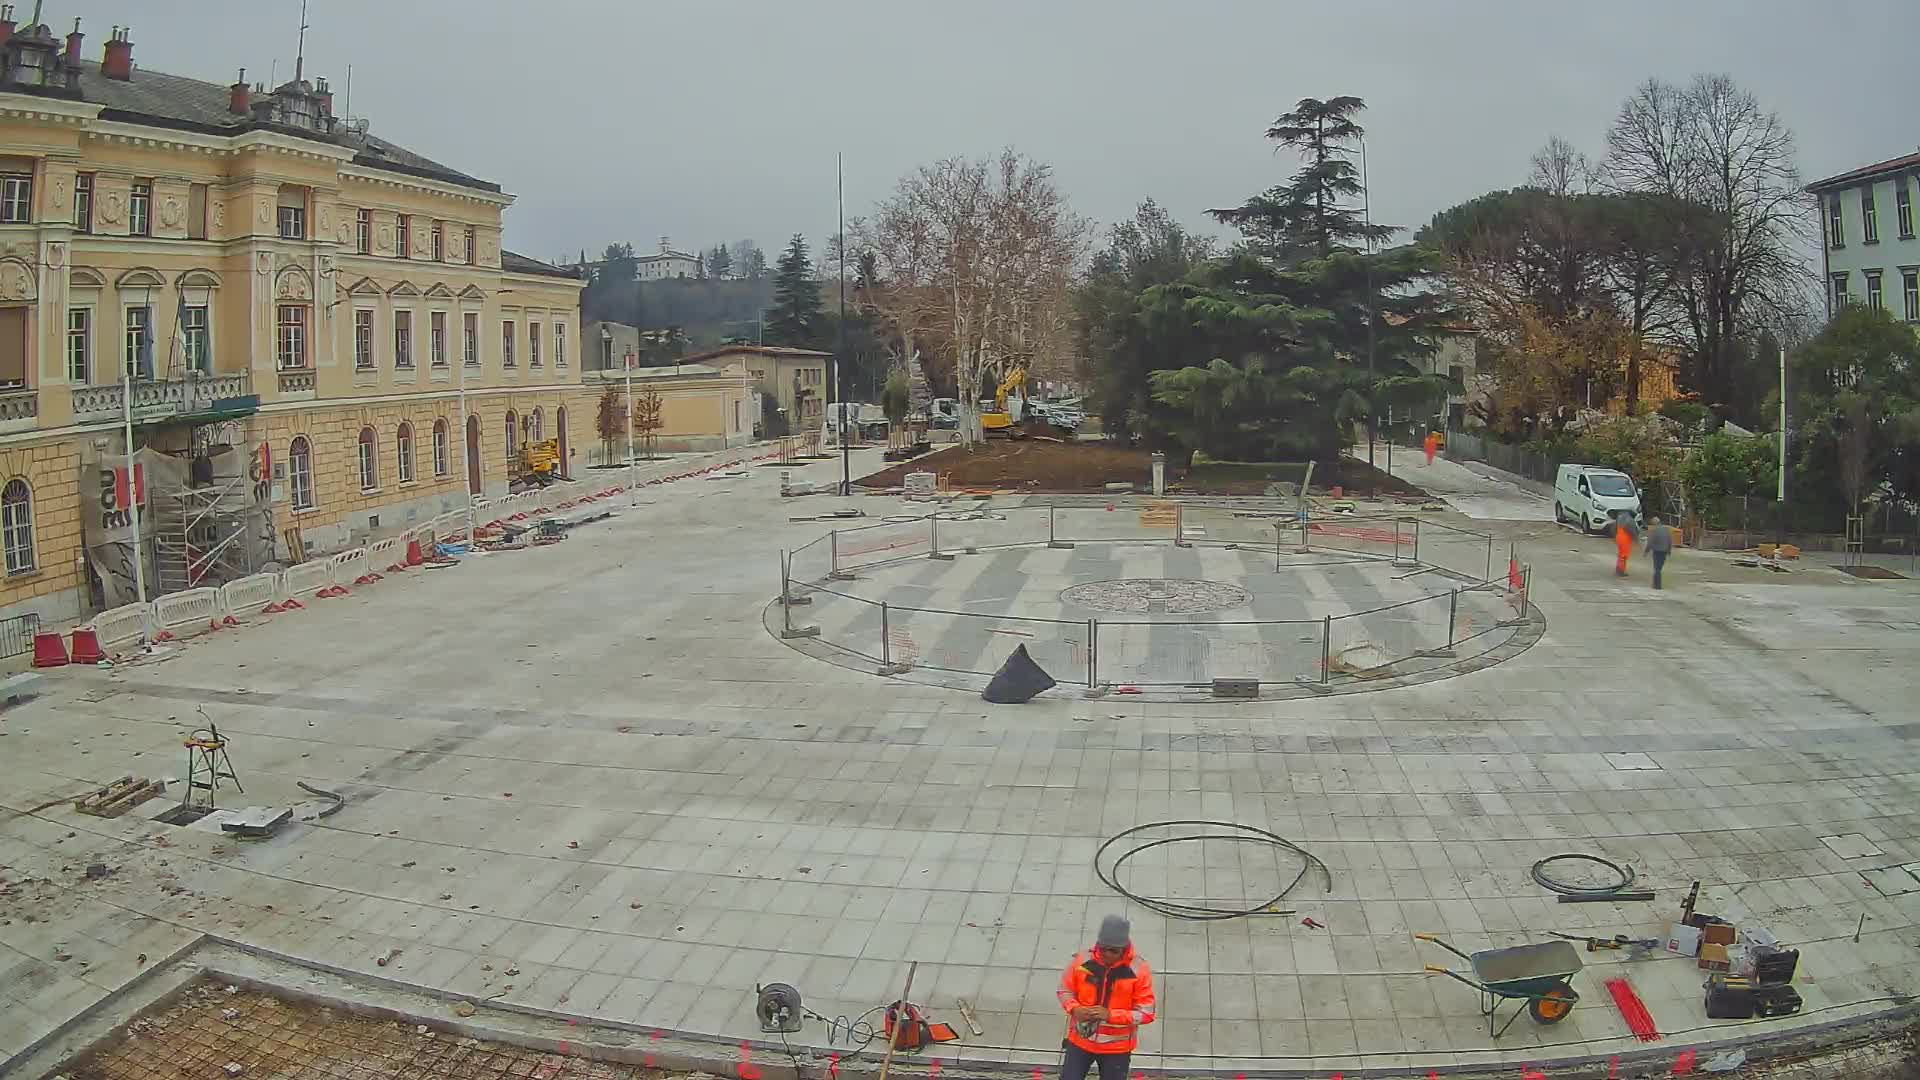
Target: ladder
{"x":207,"y":765}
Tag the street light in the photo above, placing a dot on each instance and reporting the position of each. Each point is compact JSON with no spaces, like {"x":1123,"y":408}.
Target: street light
{"x":633,"y":491}
{"x":1366,"y":216}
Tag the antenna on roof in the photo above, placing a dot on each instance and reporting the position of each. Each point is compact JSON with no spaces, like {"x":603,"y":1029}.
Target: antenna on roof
{"x":300,"y":51}
{"x":349,"y":100}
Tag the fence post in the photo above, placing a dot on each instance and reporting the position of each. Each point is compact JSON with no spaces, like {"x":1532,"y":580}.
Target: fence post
{"x":833,"y":567}
{"x":1093,"y":652}
{"x":1416,"y":540}
{"x":933,"y":534}
{"x":1526,"y":588}
{"x":786,"y":597}
{"x":1453,"y":615}
{"x":1396,"y":539}
{"x":886,"y":646}
{"x":1050,"y":536}
{"x":1489,"y":576}
{"x":1326,"y":649}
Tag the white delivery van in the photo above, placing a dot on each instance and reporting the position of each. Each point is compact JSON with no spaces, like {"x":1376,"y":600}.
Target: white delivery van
{"x":1593,"y":498}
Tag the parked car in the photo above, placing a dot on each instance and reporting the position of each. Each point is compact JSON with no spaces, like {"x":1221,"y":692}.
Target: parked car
{"x":1594,"y":498}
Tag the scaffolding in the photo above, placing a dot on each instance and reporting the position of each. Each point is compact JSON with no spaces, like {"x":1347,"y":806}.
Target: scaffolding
{"x":211,"y":514}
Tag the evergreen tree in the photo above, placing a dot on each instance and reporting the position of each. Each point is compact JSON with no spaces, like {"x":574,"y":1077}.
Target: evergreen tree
{"x":1314,"y":213}
{"x":795,"y":317}
{"x":720,"y":262}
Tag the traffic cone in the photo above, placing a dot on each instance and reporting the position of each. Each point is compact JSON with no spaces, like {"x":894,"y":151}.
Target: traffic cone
{"x":49,"y":650}
{"x":86,"y":646}
{"x":414,"y":558}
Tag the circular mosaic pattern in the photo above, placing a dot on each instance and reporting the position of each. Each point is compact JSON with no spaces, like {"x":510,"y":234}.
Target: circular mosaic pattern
{"x":1141,"y":596}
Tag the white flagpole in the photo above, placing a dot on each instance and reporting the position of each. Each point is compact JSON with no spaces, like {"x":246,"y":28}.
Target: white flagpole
{"x":633,"y":489}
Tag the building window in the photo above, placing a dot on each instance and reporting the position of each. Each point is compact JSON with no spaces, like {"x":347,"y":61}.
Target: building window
{"x":440,"y":454}
{"x":1869,"y":216}
{"x":606,"y":354}
{"x":536,"y":425}
{"x":469,"y":245}
{"x":363,"y":339}
{"x":405,"y":235}
{"x":363,"y":231}
{"x":1839,"y":290}
{"x":196,"y":211}
{"x":1910,"y":293}
{"x":506,"y":344}
{"x":369,"y":465}
{"x":470,"y":338}
{"x":16,"y":198}
{"x":140,"y":209}
{"x":439,"y":243}
{"x":79,"y":345}
{"x":513,"y":436}
{"x":16,"y":525}
{"x":559,"y":344}
{"x":1903,"y":208}
{"x":533,"y":344}
{"x":139,"y":343}
{"x":1836,"y":223}
{"x":83,"y":202}
{"x":437,"y":338}
{"x":193,"y":338}
{"x":403,"y":446}
{"x":403,"y":339}
{"x":290,"y":337}
{"x":1873,"y":289}
{"x":300,"y":472}
{"x":293,"y":223}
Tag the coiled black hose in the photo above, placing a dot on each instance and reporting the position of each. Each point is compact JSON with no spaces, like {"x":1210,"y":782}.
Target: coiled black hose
{"x":1540,"y":876}
{"x":1232,"y":832}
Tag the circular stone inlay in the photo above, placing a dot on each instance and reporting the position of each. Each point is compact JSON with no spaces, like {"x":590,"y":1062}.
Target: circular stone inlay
{"x":1139,"y":596}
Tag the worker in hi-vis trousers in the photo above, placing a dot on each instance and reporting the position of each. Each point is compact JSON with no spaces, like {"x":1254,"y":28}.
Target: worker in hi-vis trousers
{"x":1107,"y":992}
{"x":1622,"y":543}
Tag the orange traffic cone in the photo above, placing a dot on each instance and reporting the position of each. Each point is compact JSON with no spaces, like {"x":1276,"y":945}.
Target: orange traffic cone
{"x":414,"y":558}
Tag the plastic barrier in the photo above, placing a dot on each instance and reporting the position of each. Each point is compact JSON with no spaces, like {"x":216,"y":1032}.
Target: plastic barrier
{"x":307,"y":579}
{"x":249,"y":595}
{"x":189,"y":607}
{"x":124,"y":625}
{"x":385,"y":556}
{"x":449,"y":526}
{"x":350,"y":567}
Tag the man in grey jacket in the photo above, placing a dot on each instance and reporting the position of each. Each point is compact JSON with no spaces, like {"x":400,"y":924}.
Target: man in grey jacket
{"x":1659,"y":546}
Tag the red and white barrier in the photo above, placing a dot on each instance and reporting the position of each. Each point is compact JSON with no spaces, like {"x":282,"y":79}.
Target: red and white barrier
{"x":307,"y":579}
{"x":185,"y":612}
{"x":389,"y":555}
{"x":246,"y":597}
{"x":117,"y":628}
{"x":349,"y":567}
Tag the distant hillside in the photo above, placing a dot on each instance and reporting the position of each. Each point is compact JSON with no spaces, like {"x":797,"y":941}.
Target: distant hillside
{"x":708,"y":310}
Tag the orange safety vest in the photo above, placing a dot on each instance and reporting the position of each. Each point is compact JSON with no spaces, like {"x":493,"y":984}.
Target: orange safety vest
{"x":1124,"y":989}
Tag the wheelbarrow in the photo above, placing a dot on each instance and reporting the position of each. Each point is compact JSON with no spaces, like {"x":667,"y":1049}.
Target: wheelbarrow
{"x":1536,"y":974}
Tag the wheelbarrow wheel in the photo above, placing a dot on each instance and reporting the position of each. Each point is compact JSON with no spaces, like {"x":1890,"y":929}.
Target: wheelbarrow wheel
{"x":1553,"y":1006}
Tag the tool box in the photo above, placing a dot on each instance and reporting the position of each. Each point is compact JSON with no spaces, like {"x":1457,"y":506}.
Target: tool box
{"x":1743,"y":999}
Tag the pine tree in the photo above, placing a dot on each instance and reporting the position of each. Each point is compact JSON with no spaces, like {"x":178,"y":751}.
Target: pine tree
{"x":794,"y":318}
{"x":720,"y":262}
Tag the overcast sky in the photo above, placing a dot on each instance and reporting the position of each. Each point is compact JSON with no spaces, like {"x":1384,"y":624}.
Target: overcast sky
{"x":712,"y":120}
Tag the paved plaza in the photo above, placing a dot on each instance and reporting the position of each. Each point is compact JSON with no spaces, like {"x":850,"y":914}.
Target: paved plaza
{"x":588,"y":779}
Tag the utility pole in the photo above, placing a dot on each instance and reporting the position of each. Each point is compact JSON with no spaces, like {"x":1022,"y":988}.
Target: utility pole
{"x":1780,"y":481}
{"x":1366,"y":215}
{"x":633,"y":490}
{"x":840,"y":336}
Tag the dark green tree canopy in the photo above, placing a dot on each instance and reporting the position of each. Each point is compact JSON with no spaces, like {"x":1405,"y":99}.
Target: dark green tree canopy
{"x":794,"y":318}
{"x":1314,"y":212}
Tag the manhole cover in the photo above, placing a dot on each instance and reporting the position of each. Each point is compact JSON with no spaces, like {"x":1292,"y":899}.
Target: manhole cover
{"x":1139,"y":596}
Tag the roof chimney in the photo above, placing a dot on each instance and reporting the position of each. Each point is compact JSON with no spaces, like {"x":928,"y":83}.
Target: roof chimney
{"x":116,"y":61}
{"x":6,"y":22}
{"x":237,"y":101}
{"x":73,"y":43}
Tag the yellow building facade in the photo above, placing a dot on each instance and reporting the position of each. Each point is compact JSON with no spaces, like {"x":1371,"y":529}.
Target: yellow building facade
{"x":284,"y":294}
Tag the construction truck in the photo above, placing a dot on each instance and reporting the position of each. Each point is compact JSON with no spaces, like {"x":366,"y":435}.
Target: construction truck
{"x":1003,"y":415}
{"x":540,"y":462}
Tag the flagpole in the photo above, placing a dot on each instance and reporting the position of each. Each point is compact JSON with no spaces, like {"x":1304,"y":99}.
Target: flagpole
{"x":133,"y":483}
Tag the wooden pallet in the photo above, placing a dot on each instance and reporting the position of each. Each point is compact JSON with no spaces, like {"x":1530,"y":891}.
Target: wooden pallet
{"x":119,"y":797}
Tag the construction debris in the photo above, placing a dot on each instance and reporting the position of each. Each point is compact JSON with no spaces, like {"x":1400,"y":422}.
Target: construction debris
{"x":119,"y":797}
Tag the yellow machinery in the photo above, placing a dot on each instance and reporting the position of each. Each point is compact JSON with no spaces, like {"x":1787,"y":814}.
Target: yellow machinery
{"x":541,"y":461}
{"x":1009,"y":405}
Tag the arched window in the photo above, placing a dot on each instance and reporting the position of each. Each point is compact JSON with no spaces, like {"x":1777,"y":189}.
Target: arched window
{"x":536,"y":426}
{"x":16,"y":525}
{"x":513,"y":440}
{"x":403,"y":449}
{"x":300,"y":472}
{"x":369,"y":465}
{"x":440,"y":447}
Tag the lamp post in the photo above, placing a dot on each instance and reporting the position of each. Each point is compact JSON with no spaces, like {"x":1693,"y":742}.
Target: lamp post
{"x":840,"y":337}
{"x":633,"y":492}
{"x":473,"y":456}
{"x":1366,"y":216}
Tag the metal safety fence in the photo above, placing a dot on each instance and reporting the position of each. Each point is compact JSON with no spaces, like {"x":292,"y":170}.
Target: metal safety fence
{"x":1444,"y":589}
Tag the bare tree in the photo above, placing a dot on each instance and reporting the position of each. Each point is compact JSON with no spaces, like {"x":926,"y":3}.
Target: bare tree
{"x":974,"y":257}
{"x":1560,"y":168}
{"x":1733,"y":195}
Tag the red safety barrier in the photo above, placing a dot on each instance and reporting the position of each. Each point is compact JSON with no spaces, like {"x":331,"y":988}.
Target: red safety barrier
{"x":49,"y":650}
{"x":86,"y":646}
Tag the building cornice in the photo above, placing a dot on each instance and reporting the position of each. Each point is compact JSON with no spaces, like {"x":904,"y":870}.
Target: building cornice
{"x":403,"y":181}
{"x":47,"y":110}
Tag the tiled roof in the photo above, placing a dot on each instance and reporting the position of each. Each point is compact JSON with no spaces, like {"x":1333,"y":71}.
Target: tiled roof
{"x":174,"y":101}
{"x":515,"y":263}
{"x":776,"y":351}
{"x":1867,"y":172}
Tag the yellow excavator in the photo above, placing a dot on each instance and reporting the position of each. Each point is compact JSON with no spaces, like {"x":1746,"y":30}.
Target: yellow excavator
{"x":1009,"y":406}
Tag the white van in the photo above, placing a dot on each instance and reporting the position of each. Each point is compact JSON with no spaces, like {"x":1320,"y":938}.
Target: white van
{"x":1593,"y":497}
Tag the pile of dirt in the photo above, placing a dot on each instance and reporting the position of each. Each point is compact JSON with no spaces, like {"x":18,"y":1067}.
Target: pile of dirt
{"x":1351,"y":475}
{"x":1026,"y":465}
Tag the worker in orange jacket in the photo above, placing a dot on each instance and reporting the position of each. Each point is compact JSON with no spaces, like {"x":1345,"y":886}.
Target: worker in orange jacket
{"x":1622,"y":543}
{"x":1431,"y":446}
{"x":1107,"y":993}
